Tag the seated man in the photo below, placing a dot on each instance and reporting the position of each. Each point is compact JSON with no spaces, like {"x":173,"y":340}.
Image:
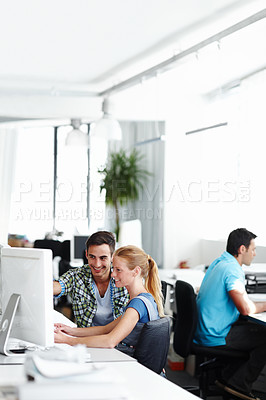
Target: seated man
{"x":221,"y":300}
{"x":95,"y":298}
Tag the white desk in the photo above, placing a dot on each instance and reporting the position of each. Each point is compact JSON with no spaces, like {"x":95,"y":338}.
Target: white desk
{"x":260,"y":317}
{"x":120,"y":377}
{"x":108,"y":355}
{"x":96,"y":355}
{"x":123,"y":380}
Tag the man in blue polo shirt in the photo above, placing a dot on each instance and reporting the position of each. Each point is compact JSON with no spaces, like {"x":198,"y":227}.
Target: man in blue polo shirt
{"x":221,"y":300}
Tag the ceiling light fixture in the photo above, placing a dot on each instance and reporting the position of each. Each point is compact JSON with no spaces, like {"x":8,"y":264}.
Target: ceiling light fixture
{"x":107,"y":127}
{"x":76,"y":137}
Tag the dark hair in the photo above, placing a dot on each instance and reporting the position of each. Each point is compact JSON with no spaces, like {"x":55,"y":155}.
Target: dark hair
{"x":101,"y":237}
{"x":237,"y":238}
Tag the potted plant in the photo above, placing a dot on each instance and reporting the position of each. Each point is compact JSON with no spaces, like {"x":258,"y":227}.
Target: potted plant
{"x":123,"y":178}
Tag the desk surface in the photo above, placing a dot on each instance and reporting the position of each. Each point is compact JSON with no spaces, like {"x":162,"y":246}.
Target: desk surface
{"x":259,"y":318}
{"x":119,"y":380}
{"x":95,"y":355}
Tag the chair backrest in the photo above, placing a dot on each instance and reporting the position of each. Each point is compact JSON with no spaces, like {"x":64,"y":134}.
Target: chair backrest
{"x":64,"y":250}
{"x":164,"y":290}
{"x":153,"y":344}
{"x":186,"y":318}
{"x":51,"y":244}
{"x":64,"y":253}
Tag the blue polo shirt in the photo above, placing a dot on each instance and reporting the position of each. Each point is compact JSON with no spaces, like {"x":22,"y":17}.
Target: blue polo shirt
{"x":216,"y":310}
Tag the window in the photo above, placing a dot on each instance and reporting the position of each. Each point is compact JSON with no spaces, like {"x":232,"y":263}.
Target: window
{"x":32,"y":199}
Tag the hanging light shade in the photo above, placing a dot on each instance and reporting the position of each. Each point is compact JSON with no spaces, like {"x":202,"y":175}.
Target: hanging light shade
{"x":107,"y":127}
{"x":76,"y":137}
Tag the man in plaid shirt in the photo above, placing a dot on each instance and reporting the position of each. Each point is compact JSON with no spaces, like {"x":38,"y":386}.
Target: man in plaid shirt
{"x":95,"y":298}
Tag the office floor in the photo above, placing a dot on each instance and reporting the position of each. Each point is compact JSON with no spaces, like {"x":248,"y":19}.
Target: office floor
{"x":183,"y":379}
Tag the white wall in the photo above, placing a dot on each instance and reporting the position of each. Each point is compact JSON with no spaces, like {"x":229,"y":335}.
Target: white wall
{"x":214,"y":180}
{"x":227,"y":166}
{"x":211,"y":249}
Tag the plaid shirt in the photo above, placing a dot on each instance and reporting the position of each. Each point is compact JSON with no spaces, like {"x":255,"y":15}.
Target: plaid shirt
{"x":79,"y":286}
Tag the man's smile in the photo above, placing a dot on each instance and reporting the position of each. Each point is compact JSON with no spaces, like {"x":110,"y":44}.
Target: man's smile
{"x":97,"y":268}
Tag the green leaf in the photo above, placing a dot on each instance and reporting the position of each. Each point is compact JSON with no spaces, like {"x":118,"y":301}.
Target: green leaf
{"x":123,"y":178}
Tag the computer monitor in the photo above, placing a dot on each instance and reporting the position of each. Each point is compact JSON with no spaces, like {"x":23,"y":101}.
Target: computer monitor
{"x":27,"y":279}
{"x":77,"y":248}
{"x":130,"y":233}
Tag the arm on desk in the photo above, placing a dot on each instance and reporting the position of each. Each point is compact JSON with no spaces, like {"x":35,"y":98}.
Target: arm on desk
{"x":244,"y":305}
{"x":106,"y":338}
{"x":84,"y":332}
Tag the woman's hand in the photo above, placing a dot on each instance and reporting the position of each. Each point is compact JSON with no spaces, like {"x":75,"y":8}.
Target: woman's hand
{"x":64,"y":328}
{"x":60,"y":337}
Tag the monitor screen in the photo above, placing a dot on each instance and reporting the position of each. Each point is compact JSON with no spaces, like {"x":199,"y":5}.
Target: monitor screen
{"x":29,"y":273}
{"x":78,"y":246}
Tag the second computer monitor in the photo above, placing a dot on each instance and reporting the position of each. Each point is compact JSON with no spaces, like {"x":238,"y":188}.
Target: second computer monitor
{"x":78,"y":248}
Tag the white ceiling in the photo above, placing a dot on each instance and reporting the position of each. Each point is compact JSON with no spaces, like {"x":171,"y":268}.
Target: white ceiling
{"x":78,"y":48}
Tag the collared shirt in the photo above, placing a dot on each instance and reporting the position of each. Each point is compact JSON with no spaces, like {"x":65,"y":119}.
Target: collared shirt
{"x":216,"y":310}
{"x":79,"y":286}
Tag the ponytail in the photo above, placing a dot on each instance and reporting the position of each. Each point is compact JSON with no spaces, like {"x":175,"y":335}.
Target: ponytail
{"x":153,"y":284}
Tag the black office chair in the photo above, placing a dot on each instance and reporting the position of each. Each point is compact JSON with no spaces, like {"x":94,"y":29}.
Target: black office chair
{"x":51,"y":244}
{"x":153,"y":344}
{"x":213,"y":359}
{"x":149,"y":343}
{"x":164,"y":290}
{"x":64,"y":253}
{"x":64,"y":303}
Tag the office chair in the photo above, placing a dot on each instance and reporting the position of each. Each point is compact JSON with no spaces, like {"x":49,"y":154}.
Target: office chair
{"x":51,"y":244}
{"x":64,"y":253}
{"x":214,"y":359}
{"x":164,"y":290}
{"x":149,"y":343}
{"x":64,"y":303}
{"x":153,"y":344}
{"x":84,"y":258}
